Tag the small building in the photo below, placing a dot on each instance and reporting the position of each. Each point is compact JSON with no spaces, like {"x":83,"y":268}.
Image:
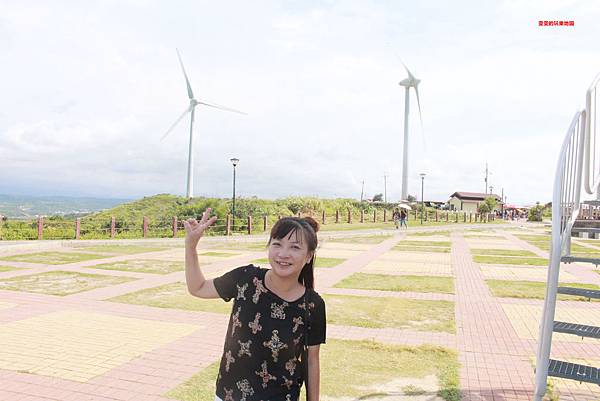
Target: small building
{"x":470,"y":201}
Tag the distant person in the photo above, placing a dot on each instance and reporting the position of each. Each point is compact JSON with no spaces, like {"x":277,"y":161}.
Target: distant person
{"x":403,"y":216}
{"x":396,"y":217}
{"x":277,"y":322}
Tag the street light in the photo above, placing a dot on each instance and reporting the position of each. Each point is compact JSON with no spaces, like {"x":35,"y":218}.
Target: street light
{"x":234,"y":161}
{"x":422,"y":201}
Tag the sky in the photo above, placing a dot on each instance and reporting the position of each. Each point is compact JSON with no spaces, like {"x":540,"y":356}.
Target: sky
{"x":89,"y":88}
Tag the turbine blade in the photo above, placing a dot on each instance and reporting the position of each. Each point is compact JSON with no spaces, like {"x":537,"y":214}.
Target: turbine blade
{"x":175,"y":123}
{"x":410,"y":75}
{"x":187,"y":81}
{"x":222,"y":108}
{"x":421,"y":117}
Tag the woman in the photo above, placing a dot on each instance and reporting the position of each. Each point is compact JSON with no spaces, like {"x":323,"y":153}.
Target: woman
{"x":277,"y":322}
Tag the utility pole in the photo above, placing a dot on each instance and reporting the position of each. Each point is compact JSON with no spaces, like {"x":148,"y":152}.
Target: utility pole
{"x":486,"y":178}
{"x":362,"y":191}
{"x":384,"y":188}
{"x":502,"y":204}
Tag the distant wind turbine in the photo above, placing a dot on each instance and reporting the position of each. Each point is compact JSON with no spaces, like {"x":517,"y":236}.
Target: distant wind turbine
{"x":190,"y":109}
{"x":410,"y":82}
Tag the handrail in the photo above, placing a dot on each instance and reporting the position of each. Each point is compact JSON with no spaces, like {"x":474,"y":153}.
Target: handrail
{"x":565,"y":209}
{"x":591,"y":131}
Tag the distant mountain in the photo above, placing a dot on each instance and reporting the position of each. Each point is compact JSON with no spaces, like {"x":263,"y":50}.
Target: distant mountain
{"x":15,"y":206}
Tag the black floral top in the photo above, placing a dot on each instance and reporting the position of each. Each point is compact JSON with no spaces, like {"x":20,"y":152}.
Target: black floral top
{"x":262,"y":355}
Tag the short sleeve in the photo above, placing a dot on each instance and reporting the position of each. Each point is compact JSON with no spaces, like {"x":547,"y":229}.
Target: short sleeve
{"x":226,"y":284}
{"x":318,"y":323}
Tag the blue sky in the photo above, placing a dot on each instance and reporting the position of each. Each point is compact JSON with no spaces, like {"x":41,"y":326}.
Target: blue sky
{"x":89,"y":88}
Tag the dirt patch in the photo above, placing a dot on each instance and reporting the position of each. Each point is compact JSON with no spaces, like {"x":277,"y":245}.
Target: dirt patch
{"x":399,"y":389}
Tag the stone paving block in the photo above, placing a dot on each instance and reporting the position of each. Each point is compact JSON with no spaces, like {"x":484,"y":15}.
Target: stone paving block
{"x":344,"y":246}
{"x":423,"y":257}
{"x":526,"y":319}
{"x":523,"y":273}
{"x":79,"y":346}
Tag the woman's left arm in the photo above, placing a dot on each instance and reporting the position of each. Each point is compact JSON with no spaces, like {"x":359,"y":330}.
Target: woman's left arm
{"x":314,"y":376}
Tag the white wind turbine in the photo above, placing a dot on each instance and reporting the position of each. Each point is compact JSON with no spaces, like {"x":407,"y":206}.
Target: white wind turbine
{"x":410,"y":82}
{"x":190,"y":109}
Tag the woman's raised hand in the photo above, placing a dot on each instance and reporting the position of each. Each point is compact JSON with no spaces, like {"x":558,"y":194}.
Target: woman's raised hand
{"x":195,"y":229}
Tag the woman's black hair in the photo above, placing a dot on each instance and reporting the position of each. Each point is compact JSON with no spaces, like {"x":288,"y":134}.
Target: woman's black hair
{"x":305,"y":228}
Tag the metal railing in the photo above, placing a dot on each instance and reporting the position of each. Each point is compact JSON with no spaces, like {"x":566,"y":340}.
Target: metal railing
{"x":578,"y":168}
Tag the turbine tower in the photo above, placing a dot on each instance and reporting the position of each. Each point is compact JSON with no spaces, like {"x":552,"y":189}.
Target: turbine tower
{"x":410,"y":82}
{"x":190,"y":109}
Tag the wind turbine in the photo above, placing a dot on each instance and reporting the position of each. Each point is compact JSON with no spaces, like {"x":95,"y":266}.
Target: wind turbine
{"x":191,"y":109}
{"x":410,"y":82}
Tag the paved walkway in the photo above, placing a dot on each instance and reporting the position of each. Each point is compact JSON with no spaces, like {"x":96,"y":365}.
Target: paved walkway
{"x":83,"y":347}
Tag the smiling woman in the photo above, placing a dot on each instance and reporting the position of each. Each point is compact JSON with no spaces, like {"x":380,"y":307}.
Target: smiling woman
{"x":277,"y":321}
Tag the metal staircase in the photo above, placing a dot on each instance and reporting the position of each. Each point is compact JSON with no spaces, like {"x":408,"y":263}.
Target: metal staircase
{"x":578,"y":169}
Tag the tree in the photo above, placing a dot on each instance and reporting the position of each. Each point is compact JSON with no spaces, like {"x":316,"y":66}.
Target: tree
{"x":411,"y":198}
{"x":488,"y":205}
{"x":536,"y":213}
{"x":378,"y":198}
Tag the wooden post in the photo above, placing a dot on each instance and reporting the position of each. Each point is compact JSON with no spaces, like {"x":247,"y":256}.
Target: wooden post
{"x":323,"y":218}
{"x":426,"y":215}
{"x":464,"y":217}
{"x":456,"y":215}
{"x":385,"y":215}
{"x":337,"y":216}
{"x":113,"y":227}
{"x":416,"y":214}
{"x":349,"y":216}
{"x":228,"y":224}
{"x":374,"y":215}
{"x":470,"y":217}
{"x":265,"y":222}
{"x":436,"y":216}
{"x":77,"y":228}
{"x":447,"y":214}
{"x":145,"y":227}
{"x":362,"y":216}
{"x":249,"y":224}
{"x":40,"y":224}
{"x":174,"y":225}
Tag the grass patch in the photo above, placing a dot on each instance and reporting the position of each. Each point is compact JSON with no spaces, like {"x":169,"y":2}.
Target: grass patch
{"x":243,"y":246}
{"x":484,"y":237}
{"x":219,"y":254}
{"x":143,"y":266}
{"x":54,"y":258}
{"x":121,"y":249}
{"x":426,"y":243}
{"x":320,"y":262}
{"x":410,"y":248}
{"x":173,"y":296}
{"x":423,"y":315}
{"x":532,"y":289}
{"x":6,"y":268}
{"x":501,"y":252}
{"x":60,"y":283}
{"x":383,"y":282}
{"x":508,"y":260}
{"x":367,"y":364}
{"x":363,"y":239}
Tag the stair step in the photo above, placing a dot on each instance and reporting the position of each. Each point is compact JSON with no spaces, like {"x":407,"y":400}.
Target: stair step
{"x":575,"y":259}
{"x":579,"y":291}
{"x":586,"y":230}
{"x":578,"y":329}
{"x":567,"y":370}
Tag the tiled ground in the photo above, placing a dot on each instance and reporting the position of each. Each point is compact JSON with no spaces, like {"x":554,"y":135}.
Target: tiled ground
{"x":81,"y":347}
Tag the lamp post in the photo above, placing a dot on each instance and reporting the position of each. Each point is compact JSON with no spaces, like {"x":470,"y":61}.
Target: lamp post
{"x":422,"y":200}
{"x":235,"y":162}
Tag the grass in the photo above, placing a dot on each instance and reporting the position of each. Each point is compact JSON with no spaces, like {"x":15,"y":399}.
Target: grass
{"x":143,"y":266}
{"x":219,"y":254}
{"x":410,"y":248}
{"x":54,"y":258}
{"x":484,"y":237}
{"x":383,"y":282}
{"x":363,"y":239}
{"x":173,"y":296}
{"x":532,"y":289}
{"x":60,"y":283}
{"x":429,"y":234}
{"x":508,"y":260}
{"x":501,"y":252}
{"x":366,"y":365}
{"x":426,"y":243}
{"x":320,"y":262}
{"x":121,"y":249}
{"x":7,"y":268}
{"x":422,"y":315}
{"x":243,"y":246}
